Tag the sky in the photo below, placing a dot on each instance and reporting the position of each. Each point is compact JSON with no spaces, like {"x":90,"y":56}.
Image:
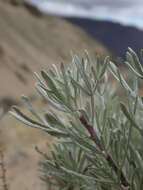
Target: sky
{"x":128,"y":12}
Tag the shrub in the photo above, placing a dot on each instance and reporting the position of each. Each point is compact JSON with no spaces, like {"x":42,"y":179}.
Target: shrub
{"x":97,"y":136}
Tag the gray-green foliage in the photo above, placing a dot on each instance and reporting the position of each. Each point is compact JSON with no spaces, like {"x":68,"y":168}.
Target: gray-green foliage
{"x":97,"y":138}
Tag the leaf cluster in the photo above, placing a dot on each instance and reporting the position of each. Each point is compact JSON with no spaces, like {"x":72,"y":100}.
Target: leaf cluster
{"x":97,"y":138}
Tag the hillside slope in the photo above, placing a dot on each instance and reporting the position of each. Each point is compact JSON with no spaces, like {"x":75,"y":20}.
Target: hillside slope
{"x":29,"y":43}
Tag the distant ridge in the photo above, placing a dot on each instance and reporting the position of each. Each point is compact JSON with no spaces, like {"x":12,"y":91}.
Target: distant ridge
{"x":116,"y":37}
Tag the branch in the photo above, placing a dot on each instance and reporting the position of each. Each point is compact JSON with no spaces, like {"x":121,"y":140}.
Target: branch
{"x":3,"y":176}
{"x":109,"y":159}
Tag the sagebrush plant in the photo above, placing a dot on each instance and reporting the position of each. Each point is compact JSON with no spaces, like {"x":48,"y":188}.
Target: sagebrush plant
{"x":97,"y":136}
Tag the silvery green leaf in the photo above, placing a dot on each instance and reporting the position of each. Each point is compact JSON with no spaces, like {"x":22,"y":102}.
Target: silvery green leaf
{"x":81,"y":70}
{"x":133,"y":69}
{"x":48,"y":80}
{"x":128,"y":115}
{"x":51,"y":84}
{"x":23,"y":118}
{"x":40,"y":81}
{"x":84,"y":114}
{"x":113,"y":69}
{"x":67,"y":88}
{"x":77,"y":85}
{"x":56,"y":105}
{"x":87,"y":62}
{"x":54,"y":121}
{"x":55,"y":69}
{"x":27,"y":102}
{"x":138,"y":157}
{"x":77,"y":127}
{"x":104,"y":67}
{"x":123,"y":82}
{"x":116,"y":73}
{"x":77,"y":174}
{"x":25,"y":121}
{"x":136,"y":61}
{"x":26,"y":118}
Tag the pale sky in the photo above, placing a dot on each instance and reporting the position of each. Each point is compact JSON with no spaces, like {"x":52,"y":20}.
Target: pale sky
{"x":128,"y":12}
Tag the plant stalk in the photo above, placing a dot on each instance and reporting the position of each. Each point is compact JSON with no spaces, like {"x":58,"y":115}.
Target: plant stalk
{"x":111,"y":162}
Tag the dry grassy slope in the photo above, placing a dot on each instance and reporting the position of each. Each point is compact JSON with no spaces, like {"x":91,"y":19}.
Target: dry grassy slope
{"x":29,"y":43}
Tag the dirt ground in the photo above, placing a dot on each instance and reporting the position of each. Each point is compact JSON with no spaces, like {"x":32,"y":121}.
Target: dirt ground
{"x":20,"y":157}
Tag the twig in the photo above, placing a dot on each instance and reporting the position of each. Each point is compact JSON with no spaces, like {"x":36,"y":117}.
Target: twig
{"x":109,"y":159}
{"x":71,"y":188}
{"x":3,"y":175}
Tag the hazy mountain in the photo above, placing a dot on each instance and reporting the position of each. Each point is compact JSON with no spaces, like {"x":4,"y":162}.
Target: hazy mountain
{"x":116,"y":37}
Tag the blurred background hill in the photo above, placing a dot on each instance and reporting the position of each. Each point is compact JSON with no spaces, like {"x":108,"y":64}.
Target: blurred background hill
{"x":116,"y":37}
{"x":116,"y":24}
{"x":30,"y":41}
